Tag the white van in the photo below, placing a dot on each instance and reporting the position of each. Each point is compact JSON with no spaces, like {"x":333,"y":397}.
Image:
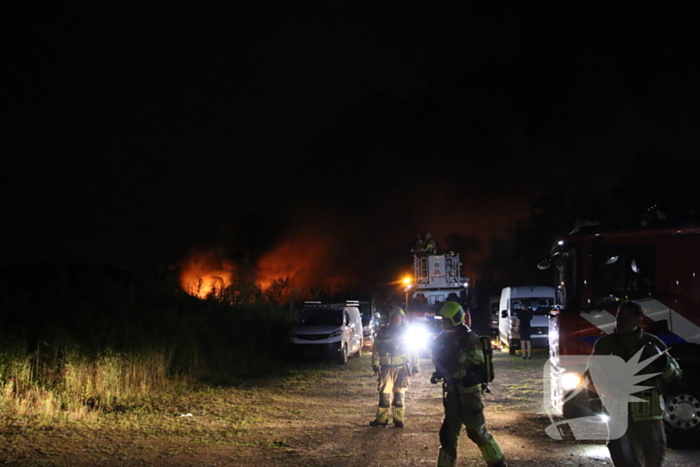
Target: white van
{"x":327,"y":331}
{"x":540,"y":300}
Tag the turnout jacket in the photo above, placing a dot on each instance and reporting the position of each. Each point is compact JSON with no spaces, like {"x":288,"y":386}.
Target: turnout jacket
{"x":391,"y":350}
{"x":626,"y":346}
{"x":459,"y":359}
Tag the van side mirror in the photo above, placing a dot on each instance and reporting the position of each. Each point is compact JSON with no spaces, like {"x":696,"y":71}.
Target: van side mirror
{"x":504,"y":313}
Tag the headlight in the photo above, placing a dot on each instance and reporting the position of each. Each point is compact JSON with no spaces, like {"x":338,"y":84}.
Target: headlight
{"x":570,"y":380}
{"x":417,"y":338}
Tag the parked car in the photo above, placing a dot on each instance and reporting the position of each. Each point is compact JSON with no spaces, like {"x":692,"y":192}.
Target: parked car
{"x":327,"y":331}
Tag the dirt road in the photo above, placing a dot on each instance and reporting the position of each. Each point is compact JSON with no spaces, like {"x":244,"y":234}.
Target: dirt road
{"x":317,"y":417}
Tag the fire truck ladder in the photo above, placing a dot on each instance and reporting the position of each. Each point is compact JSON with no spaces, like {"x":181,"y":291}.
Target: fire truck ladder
{"x":420,"y":269}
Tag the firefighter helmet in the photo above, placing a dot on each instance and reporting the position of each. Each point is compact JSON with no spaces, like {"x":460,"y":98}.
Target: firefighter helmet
{"x":452,"y":311}
{"x":397,"y":311}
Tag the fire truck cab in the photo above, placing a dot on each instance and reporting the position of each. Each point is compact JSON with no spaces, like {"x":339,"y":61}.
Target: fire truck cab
{"x":436,"y":279}
{"x":593,"y":271}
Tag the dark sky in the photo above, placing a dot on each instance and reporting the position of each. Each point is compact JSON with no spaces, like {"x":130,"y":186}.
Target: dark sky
{"x":319,"y":137}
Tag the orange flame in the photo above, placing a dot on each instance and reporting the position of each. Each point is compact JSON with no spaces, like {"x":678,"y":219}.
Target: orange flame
{"x":206,"y":272}
{"x":304,"y":259}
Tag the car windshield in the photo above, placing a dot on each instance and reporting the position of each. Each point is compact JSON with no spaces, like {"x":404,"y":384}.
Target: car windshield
{"x":319,"y":317}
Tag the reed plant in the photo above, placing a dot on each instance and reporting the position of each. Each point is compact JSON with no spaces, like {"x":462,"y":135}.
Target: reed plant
{"x":82,"y":344}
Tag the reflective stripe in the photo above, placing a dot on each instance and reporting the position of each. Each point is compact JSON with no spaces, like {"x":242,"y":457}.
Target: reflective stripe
{"x":445,"y":460}
{"x":383,"y":414}
{"x":475,"y":357}
{"x":491,"y":452}
{"x":399,"y":414}
{"x":655,"y":310}
{"x":650,"y":409}
{"x":385,"y":365}
{"x":673,"y":371}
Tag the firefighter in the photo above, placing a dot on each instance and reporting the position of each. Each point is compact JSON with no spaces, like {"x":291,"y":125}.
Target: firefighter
{"x":429,"y":245}
{"x":644,"y":442}
{"x":418,"y":246}
{"x":459,"y":358}
{"x":393,"y":363}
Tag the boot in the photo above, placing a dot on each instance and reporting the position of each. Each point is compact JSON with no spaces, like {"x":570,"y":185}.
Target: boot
{"x":398,"y":414}
{"x":382,"y":418}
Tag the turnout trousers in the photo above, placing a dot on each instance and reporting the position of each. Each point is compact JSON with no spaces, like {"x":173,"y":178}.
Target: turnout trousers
{"x":643,"y":445}
{"x":393,"y":380}
{"x":466,"y":409}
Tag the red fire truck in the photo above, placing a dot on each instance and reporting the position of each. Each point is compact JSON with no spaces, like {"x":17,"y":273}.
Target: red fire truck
{"x":594,"y":270}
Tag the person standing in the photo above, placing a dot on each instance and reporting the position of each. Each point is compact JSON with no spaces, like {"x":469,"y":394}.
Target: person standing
{"x":459,"y":359}
{"x":393,"y":363}
{"x":429,"y":245}
{"x":644,"y":442}
{"x":524,"y":328}
{"x":418,"y":246}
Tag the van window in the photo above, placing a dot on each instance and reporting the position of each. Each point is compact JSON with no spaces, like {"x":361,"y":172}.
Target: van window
{"x":538,"y":306}
{"x":319,"y":317}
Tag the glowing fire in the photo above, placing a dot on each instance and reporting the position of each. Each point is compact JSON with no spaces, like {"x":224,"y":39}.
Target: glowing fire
{"x":206,"y":272}
{"x":301,"y":259}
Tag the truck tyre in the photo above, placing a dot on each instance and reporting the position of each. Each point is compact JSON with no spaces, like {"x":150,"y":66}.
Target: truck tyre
{"x":682,"y":416}
{"x":343,"y":354}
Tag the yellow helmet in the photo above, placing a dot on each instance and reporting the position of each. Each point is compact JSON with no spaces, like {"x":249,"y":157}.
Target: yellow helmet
{"x":397,"y":311}
{"x":452,"y":311}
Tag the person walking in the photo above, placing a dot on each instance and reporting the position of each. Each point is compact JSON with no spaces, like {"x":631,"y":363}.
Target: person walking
{"x":524,"y":328}
{"x":394,"y":364}
{"x":459,"y":359}
{"x":644,"y":442}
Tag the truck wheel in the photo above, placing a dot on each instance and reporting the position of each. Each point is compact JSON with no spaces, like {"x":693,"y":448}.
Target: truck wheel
{"x":343,"y":354}
{"x":682,"y":416}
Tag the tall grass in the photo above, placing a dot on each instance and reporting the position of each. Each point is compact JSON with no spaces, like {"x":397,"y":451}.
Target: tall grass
{"x":84,"y":342}
{"x":76,"y":387}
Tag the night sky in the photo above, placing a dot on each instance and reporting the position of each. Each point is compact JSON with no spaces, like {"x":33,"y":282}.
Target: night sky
{"x":317,"y":138}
